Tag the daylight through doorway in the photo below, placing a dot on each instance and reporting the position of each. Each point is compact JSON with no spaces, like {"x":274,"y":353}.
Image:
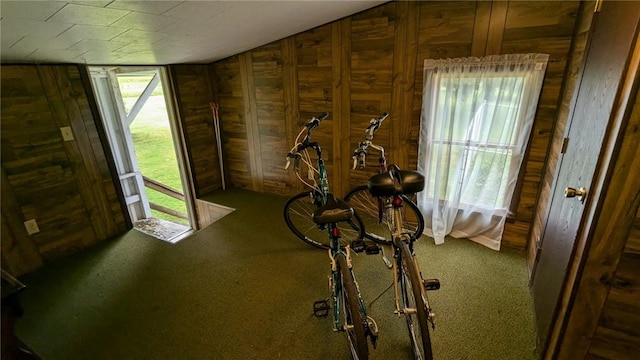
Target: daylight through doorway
{"x":140,"y":128}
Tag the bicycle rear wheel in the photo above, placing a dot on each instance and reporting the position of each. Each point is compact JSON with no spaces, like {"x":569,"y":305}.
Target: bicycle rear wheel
{"x":354,"y":318}
{"x":415,"y":307}
{"x":367,"y":208}
{"x":298,"y":214}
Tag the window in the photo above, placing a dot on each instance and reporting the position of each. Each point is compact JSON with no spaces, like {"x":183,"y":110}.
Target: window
{"x":476,"y":120}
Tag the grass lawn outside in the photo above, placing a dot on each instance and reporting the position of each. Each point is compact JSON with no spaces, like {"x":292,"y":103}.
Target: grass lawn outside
{"x":156,"y":155}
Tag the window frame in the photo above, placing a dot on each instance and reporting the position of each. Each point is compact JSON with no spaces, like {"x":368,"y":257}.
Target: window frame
{"x":510,"y":209}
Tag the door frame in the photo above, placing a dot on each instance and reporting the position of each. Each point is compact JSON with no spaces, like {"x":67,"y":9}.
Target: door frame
{"x":177,"y":134}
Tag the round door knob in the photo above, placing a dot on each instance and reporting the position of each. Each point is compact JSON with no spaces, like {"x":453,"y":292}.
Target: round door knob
{"x":573,"y":193}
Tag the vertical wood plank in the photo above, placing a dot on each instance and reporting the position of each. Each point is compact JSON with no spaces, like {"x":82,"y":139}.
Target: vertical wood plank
{"x":403,"y":83}
{"x":251,"y":117}
{"x":213,"y":88}
{"x":397,"y":115}
{"x":633,"y":243}
{"x":194,"y":96}
{"x":291,"y":98}
{"x":267,"y":78}
{"x":410,"y":128}
{"x":19,"y":252}
{"x":233,"y":123}
{"x":85,"y":130}
{"x":336,"y":75}
{"x":481,"y":28}
{"x":496,"y":27}
{"x":372,"y":39}
{"x":79,"y":151}
{"x":86,"y":127}
{"x":341,"y":53}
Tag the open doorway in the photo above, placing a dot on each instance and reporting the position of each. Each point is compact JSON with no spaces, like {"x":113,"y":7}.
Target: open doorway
{"x":136,"y":109}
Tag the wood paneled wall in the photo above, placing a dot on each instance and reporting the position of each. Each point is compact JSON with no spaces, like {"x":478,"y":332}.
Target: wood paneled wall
{"x":192,"y":90}
{"x":369,"y":63}
{"x":617,"y":335}
{"x":66,"y":186}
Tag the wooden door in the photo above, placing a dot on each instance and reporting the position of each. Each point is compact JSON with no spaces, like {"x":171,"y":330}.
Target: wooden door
{"x":614,"y":31}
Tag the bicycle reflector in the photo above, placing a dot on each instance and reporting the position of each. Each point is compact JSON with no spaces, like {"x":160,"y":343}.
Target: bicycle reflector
{"x":397,"y":201}
{"x":335,"y":232}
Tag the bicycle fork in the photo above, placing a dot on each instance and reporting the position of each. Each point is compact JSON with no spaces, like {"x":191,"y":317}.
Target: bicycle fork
{"x":321,"y":308}
{"x":401,"y":239}
{"x":429,"y":284}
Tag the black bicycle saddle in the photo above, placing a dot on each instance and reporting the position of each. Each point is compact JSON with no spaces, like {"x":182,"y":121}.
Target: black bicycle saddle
{"x":396,"y":182}
{"x":334,"y":210}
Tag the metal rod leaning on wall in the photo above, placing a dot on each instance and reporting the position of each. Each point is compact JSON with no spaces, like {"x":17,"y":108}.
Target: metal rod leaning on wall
{"x":216,"y":125}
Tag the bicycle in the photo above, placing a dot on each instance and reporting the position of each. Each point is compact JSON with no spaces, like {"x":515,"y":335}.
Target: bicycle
{"x":390,"y":188}
{"x":349,"y":310}
{"x":370,"y":208}
{"x":299,"y":209}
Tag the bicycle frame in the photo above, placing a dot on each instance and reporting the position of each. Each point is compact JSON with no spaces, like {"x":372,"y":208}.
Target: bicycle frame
{"x":336,"y":281}
{"x":320,"y":193}
{"x":335,"y":250}
{"x":401,"y":239}
{"x":407,"y":278}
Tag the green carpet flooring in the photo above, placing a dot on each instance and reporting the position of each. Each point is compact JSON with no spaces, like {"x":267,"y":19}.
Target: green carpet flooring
{"x":243,"y":288}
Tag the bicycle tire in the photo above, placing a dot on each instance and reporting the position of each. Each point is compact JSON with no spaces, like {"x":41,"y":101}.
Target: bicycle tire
{"x":410,"y":287}
{"x":366,"y":206}
{"x":298,"y":215}
{"x":354,"y":318}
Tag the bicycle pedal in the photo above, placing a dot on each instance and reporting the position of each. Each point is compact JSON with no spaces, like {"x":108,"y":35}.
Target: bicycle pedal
{"x":372,"y":249}
{"x":321,"y":308}
{"x":431,"y":284}
{"x":358,"y":246}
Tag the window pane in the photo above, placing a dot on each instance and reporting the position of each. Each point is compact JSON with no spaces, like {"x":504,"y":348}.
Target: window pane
{"x":446,"y":163}
{"x":479,"y":109}
{"x":485,"y":166}
{"x":457,"y":104}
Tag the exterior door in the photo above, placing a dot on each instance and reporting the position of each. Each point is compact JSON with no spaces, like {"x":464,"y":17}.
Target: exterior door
{"x":130,"y":105}
{"x":613,"y":34}
{"x":116,"y":123}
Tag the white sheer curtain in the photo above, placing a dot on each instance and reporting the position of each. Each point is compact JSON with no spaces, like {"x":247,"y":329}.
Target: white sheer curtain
{"x":477,"y":115}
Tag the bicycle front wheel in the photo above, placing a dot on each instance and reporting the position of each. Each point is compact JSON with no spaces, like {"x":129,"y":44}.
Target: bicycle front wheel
{"x":354,"y":317}
{"x":298,"y":214}
{"x":415,"y":307}
{"x":368,"y":208}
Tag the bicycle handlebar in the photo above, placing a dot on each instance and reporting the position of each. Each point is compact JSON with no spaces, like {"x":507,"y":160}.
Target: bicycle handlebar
{"x":374,"y":124}
{"x":295,"y":151}
{"x":315,"y":121}
{"x":360,"y":154}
